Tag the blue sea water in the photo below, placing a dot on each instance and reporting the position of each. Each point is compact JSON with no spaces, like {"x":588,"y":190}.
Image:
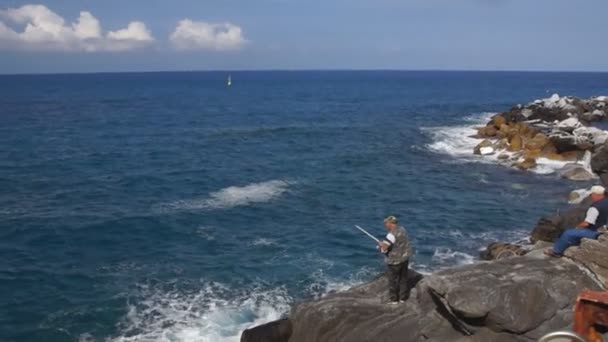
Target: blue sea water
{"x":170,"y":207}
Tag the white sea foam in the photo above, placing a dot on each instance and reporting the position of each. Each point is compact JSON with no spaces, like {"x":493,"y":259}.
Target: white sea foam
{"x":456,"y":141}
{"x":263,"y":242}
{"x":233,"y":196}
{"x":206,"y":233}
{"x":211,"y":315}
{"x":447,"y":257}
{"x":214,"y":314}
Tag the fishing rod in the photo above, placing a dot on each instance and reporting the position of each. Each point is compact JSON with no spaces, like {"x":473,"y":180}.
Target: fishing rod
{"x":368,"y":234}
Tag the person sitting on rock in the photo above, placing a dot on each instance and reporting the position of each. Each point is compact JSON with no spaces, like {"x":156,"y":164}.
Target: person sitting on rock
{"x":591,"y":227}
{"x":397,"y":252}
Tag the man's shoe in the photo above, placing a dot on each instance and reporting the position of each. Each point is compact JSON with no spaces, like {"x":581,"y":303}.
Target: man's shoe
{"x":550,"y":252}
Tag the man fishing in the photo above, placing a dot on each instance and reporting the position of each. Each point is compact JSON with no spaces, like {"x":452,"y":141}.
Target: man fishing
{"x":397,"y":252}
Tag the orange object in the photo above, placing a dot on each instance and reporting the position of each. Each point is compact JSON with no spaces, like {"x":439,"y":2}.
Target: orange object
{"x":590,"y":311}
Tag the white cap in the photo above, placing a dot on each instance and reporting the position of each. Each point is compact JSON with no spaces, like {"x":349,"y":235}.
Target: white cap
{"x":598,"y":190}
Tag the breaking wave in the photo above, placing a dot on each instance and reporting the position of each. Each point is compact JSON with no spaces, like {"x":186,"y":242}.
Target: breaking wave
{"x":215,"y":313}
{"x":457,"y":141}
{"x":233,"y":196}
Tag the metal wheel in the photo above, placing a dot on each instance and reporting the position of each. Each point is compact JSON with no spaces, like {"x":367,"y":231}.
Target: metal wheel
{"x":562,"y":336}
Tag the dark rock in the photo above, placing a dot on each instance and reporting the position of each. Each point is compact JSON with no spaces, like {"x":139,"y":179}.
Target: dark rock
{"x":500,"y":250}
{"x":515,"y":299}
{"x":484,"y":143}
{"x":514,"y":115}
{"x":604,"y":179}
{"x":277,"y":331}
{"x":526,"y":164}
{"x":515,"y":295}
{"x":547,"y":114}
{"x":547,"y":229}
{"x":599,"y":160}
{"x":593,"y":254}
{"x":550,"y":228}
{"x":564,"y":142}
{"x":575,"y":172}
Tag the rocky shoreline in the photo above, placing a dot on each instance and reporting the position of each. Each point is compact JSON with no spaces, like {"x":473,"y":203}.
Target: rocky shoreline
{"x":517,"y":294}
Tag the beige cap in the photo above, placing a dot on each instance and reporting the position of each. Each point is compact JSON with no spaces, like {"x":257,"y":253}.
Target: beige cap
{"x":391,"y":219}
{"x":598,"y":190}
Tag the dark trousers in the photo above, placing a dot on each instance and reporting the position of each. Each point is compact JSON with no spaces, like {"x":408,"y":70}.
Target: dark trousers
{"x":397,"y":282}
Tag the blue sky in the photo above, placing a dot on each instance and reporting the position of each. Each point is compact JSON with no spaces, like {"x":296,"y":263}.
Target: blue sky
{"x":313,"y":34}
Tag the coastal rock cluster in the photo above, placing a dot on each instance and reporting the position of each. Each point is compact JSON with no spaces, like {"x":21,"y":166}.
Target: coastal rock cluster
{"x":518,"y":293}
{"x":557,"y":128}
{"x":514,"y":299}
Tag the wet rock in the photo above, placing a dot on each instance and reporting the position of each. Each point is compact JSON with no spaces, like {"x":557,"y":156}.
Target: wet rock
{"x":515,"y":143}
{"x":564,"y":142}
{"x":569,"y":124}
{"x":501,"y":144}
{"x":591,"y":135}
{"x":484,"y":151}
{"x":593,"y":255}
{"x":538,"y":142}
{"x":487,"y":132}
{"x":526,"y":164}
{"x":577,"y":196}
{"x":599,"y":160}
{"x":576,"y":172}
{"x":494,"y":301}
{"x":498,"y":121}
{"x":501,"y":250}
{"x":277,"y":331}
{"x":485,"y":143}
{"x":549,"y":228}
{"x":572,"y":155}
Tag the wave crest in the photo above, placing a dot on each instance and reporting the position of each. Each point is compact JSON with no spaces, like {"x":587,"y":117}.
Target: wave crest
{"x":234,"y":196}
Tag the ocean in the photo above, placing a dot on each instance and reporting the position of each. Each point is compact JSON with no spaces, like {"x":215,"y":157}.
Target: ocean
{"x":170,"y":207}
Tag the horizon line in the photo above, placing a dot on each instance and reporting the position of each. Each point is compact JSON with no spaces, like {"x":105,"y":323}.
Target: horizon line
{"x":299,"y":70}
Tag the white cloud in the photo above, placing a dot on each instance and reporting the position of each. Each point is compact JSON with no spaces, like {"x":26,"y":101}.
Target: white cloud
{"x":194,"y":35}
{"x":46,"y":30}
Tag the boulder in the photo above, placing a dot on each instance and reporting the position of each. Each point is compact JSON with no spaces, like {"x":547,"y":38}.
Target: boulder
{"x":538,"y":142}
{"x":531,"y":154}
{"x":514,"y":115}
{"x":591,"y":135}
{"x":592,"y":254}
{"x":498,"y":121}
{"x":501,"y":250}
{"x":515,"y":143}
{"x":578,"y":195}
{"x":514,"y":299}
{"x":595,"y":115}
{"x":485,"y":143}
{"x":564,"y":142}
{"x":604,"y":179}
{"x":487,"y":132}
{"x":547,"y":114}
{"x":572,"y":155}
{"x":501,"y":144}
{"x":576,"y":172}
{"x":599,"y":160}
{"x":277,"y":331}
{"x":549,"y":228}
{"x":484,"y":151}
{"x":526,"y":164}
{"x":518,"y":295}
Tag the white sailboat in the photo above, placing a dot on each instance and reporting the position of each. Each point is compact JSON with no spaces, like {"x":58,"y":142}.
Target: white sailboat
{"x":229,"y":82}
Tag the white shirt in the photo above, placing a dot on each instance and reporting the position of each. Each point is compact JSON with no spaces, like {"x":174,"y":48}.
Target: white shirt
{"x":592,"y":215}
